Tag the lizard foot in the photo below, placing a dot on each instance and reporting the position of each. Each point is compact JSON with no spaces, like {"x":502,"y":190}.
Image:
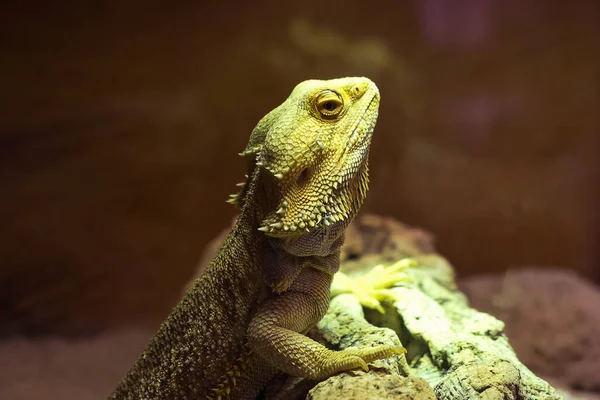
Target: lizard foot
{"x":372,"y":288}
{"x":354,"y":358}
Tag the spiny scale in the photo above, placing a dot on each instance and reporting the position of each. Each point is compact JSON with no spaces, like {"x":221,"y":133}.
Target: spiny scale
{"x":229,"y":380}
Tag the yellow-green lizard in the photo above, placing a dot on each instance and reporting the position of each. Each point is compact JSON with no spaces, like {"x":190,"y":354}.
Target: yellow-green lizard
{"x":245,"y":317}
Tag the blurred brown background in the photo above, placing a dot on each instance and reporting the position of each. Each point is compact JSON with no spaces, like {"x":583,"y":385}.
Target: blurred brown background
{"x":120,"y":123}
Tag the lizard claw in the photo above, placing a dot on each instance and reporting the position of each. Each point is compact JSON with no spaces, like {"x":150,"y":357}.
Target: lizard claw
{"x":363,"y":365}
{"x":398,"y":350}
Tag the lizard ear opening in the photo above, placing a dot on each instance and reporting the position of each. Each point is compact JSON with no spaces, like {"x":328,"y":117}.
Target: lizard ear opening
{"x":303,"y":177}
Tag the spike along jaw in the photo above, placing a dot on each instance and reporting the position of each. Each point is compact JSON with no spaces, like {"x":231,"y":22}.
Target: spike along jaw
{"x":314,"y":158}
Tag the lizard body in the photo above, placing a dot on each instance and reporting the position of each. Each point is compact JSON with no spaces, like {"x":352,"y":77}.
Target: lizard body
{"x":245,"y":317}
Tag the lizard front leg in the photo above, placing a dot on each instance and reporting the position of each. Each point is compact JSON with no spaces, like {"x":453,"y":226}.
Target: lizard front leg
{"x":275,"y":332}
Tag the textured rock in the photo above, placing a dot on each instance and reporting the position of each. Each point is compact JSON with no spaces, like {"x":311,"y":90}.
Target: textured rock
{"x":373,"y":386}
{"x":552,"y":317}
{"x":460,"y":342}
{"x":384,"y":238}
{"x":344,"y":326}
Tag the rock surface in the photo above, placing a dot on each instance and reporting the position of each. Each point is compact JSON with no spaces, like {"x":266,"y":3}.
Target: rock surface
{"x":553,"y":318}
{"x":466,"y":354}
{"x":345,"y":326}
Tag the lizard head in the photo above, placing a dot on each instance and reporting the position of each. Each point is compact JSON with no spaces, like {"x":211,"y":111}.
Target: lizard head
{"x":312,"y":154}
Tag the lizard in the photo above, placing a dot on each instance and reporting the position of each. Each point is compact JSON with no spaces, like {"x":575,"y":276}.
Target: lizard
{"x":245,"y":317}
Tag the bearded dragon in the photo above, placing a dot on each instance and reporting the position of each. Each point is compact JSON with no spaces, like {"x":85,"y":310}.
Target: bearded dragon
{"x":245,"y":317}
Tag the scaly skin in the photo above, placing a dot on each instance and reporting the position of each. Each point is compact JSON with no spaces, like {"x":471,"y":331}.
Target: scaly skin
{"x":245,"y":317}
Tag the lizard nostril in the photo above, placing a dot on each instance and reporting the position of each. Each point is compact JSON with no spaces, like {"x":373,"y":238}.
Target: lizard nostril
{"x":302,"y":177}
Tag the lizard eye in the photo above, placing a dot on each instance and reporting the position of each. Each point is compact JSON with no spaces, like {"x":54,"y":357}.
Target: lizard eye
{"x":329,"y":103}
